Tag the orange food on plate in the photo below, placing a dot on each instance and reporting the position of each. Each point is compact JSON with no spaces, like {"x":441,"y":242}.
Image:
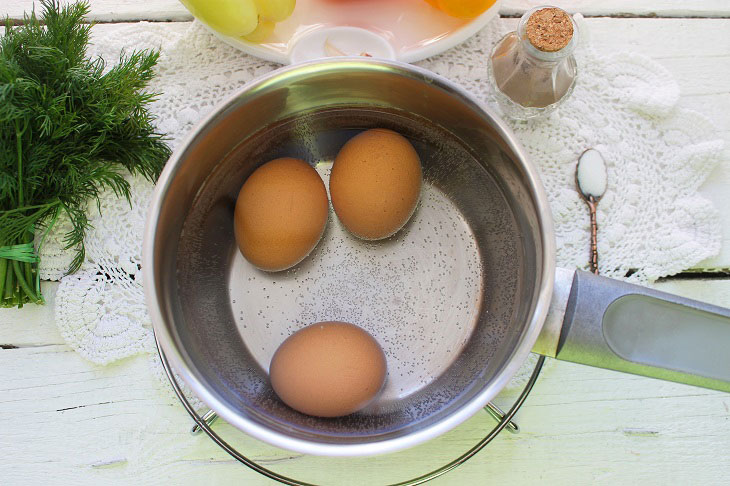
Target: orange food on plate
{"x":464,"y":9}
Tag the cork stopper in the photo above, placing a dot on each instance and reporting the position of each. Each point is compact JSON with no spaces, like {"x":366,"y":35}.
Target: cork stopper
{"x":549,"y":29}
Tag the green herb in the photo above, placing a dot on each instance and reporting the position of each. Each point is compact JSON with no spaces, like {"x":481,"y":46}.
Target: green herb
{"x":68,"y":130}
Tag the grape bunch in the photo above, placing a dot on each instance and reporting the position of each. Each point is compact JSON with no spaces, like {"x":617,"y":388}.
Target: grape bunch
{"x":252,"y":20}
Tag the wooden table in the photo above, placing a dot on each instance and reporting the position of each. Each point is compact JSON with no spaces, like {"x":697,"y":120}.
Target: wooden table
{"x":66,"y":421}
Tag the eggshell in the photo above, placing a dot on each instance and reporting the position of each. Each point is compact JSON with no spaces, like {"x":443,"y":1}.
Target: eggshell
{"x":375,"y":183}
{"x":280,"y":214}
{"x":328,"y":369}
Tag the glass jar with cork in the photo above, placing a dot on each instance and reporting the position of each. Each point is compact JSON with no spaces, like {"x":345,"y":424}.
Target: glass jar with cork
{"x":533,"y":69}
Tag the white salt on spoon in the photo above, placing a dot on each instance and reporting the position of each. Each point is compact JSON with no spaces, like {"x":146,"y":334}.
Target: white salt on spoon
{"x":591,"y":174}
{"x":592,"y":179}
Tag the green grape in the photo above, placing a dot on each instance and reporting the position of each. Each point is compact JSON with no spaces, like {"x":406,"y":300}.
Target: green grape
{"x":276,"y":10}
{"x":234,"y":18}
{"x":264,"y":30}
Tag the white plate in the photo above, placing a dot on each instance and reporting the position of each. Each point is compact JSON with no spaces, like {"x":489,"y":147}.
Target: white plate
{"x":405,"y":30}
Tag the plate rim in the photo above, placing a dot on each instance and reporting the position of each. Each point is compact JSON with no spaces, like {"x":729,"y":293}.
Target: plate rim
{"x":415,"y":55}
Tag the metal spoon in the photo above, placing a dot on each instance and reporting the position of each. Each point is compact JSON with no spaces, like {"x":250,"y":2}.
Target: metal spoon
{"x":591,"y":178}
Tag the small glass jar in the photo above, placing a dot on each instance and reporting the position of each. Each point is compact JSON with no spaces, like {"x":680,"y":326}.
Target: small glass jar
{"x":533,"y":69}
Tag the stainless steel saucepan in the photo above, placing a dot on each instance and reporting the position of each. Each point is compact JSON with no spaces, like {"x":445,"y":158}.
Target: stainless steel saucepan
{"x":458,"y":298}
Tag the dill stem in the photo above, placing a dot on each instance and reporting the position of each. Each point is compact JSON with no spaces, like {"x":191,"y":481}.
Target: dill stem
{"x":27,"y":266}
{"x":25,"y":272}
{"x":28,"y":273}
{"x":24,"y":287}
{"x":8,"y":285}
{"x":3,"y":271}
{"x":51,"y":204}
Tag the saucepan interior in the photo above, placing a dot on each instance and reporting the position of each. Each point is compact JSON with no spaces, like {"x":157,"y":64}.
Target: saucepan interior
{"x":456,"y":298}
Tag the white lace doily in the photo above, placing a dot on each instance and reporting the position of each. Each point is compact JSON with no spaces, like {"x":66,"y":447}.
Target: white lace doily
{"x":652,"y":219}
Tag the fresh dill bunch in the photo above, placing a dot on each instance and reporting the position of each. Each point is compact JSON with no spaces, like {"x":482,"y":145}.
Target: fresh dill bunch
{"x":68,"y":131}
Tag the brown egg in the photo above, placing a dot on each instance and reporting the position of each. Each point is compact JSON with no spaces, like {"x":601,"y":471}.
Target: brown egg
{"x":280,"y":214}
{"x":328,"y":369}
{"x":375,"y":183}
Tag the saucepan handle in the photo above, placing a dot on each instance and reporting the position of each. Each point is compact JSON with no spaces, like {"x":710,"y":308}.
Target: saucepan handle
{"x":615,"y":325}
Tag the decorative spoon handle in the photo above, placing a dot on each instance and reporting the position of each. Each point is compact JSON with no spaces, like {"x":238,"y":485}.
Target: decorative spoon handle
{"x":594,"y":234}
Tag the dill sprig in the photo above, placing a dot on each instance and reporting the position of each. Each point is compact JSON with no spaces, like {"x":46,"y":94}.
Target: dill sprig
{"x":69,"y":129}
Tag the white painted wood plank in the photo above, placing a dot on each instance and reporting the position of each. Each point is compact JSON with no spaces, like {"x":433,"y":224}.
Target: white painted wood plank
{"x":173,"y":10}
{"x":714,"y":291}
{"x":68,"y":421}
{"x":628,"y":8}
{"x":112,"y":10}
{"x":27,"y":327}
